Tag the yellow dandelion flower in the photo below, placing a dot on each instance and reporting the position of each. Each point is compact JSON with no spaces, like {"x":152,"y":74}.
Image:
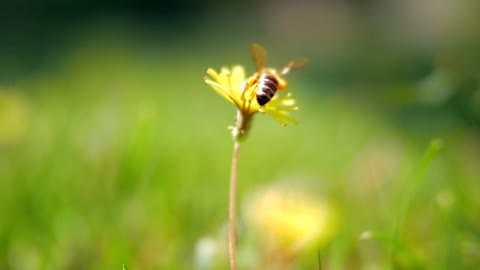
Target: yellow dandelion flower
{"x":231,"y":85}
{"x":291,"y":220}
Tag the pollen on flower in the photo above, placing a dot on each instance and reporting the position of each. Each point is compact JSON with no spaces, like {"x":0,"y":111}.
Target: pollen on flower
{"x":231,"y":85}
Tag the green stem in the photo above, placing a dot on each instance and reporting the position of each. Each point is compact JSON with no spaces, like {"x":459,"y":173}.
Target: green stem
{"x":232,"y":209}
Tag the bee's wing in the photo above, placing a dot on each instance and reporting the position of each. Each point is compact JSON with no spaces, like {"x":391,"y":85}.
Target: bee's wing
{"x":259,"y":55}
{"x":292,"y":65}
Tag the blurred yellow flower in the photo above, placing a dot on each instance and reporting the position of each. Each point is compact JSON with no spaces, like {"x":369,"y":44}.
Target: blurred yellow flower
{"x":13,"y":117}
{"x":231,"y":84}
{"x":291,"y":221}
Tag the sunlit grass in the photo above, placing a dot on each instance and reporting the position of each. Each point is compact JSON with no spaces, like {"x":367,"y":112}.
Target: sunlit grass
{"x":112,"y":159}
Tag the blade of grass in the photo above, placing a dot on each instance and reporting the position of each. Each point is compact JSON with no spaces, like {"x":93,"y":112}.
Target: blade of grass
{"x":411,"y":188}
{"x":319,"y":260}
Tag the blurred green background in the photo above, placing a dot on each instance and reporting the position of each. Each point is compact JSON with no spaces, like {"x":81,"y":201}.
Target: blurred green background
{"x":113,"y":150}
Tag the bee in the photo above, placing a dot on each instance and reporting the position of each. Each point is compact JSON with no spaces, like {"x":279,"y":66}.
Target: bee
{"x":269,"y":80}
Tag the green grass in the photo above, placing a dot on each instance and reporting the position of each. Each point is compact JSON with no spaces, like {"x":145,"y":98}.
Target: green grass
{"x":121,"y":160}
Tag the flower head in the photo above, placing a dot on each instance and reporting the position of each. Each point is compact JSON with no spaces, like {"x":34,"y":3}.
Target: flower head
{"x":231,"y":84}
{"x":291,"y":220}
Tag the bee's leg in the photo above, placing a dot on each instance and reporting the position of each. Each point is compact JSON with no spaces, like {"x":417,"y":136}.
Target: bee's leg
{"x":248,"y":83}
{"x":251,"y":81}
{"x":282,"y":84}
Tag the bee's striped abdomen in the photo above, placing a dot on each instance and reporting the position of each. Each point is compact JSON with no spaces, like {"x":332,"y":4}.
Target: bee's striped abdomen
{"x":267,"y":87}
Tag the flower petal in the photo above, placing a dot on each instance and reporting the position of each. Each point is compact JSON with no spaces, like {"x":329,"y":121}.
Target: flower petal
{"x":237,"y":80}
{"x":220,"y":89}
{"x":213,"y":74}
{"x":285,"y":100}
{"x":280,"y":115}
